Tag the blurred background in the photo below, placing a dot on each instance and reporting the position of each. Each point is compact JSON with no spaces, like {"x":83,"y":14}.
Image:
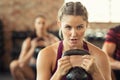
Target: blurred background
{"x":17,"y":21}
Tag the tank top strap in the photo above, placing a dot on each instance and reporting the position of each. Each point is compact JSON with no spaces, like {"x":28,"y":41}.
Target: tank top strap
{"x":60,"y":49}
{"x":59,"y":54}
{"x":85,"y":46}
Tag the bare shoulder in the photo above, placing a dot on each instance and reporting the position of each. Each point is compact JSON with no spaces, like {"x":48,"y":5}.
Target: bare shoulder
{"x":101,"y":60}
{"x":47,"y":55}
{"x":52,"y":36}
{"x":94,"y":50}
{"x":100,"y":57}
{"x":50,"y":50}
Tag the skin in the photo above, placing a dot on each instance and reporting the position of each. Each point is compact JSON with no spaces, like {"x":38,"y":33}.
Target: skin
{"x":20,"y":68}
{"x":73,"y":29}
{"x":109,"y":49}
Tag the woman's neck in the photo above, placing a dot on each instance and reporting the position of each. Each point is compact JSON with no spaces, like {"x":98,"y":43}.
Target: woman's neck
{"x":42,"y":34}
{"x":67,"y":46}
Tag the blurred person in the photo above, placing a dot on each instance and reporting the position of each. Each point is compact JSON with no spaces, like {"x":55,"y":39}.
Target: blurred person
{"x":73,"y":22}
{"x":24,"y":68}
{"x":111,"y":47}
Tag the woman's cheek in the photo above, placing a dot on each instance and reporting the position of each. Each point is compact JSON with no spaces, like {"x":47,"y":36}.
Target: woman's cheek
{"x":66,"y":33}
{"x":81,"y":33}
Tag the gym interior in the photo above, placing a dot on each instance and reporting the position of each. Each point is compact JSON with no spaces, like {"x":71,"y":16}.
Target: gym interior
{"x":16,"y":23}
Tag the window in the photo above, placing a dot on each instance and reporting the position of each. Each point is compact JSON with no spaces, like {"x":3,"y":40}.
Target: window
{"x":115,"y":12}
{"x":102,"y":10}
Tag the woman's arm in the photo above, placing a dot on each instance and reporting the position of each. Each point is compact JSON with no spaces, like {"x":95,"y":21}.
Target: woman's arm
{"x":44,"y":65}
{"x":109,"y":49}
{"x":90,"y":64}
{"x":27,"y":50}
{"x":24,"y":49}
{"x":101,"y":62}
{"x":64,"y":66}
{"x":103,"y":65}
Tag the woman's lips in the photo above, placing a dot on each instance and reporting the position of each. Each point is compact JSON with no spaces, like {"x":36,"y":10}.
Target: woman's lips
{"x":73,"y":41}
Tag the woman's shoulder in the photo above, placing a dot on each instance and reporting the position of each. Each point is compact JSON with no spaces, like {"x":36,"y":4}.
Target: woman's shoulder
{"x":51,"y":49}
{"x":94,"y":50}
{"x":52,"y":36}
{"x":97,"y":53}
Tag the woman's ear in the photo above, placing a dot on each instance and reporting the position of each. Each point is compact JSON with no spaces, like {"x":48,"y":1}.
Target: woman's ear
{"x":60,"y":31}
{"x":59,"y":24}
{"x":87,"y":24}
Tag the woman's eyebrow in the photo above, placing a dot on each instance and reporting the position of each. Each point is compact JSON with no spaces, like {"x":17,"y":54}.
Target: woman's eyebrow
{"x":80,"y":25}
{"x":67,"y":25}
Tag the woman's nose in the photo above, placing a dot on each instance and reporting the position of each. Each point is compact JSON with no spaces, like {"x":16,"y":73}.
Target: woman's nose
{"x":41,"y":24}
{"x":73,"y":32}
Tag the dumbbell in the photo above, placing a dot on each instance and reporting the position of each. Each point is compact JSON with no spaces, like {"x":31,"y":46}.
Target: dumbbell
{"x":76,"y":73}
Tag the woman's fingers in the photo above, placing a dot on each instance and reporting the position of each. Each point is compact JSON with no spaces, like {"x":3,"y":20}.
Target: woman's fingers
{"x":64,"y":64}
{"x":87,"y":62}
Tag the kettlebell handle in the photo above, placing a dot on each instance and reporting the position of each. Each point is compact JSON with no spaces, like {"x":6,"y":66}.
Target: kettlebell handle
{"x":75,"y":52}
{"x":76,"y":73}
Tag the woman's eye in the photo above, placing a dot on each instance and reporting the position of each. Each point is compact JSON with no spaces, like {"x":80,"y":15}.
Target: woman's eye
{"x":79,"y":27}
{"x":68,"y":27}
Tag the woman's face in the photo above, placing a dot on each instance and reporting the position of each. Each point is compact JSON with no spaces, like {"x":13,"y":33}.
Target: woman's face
{"x":40,"y":24}
{"x":73,"y":29}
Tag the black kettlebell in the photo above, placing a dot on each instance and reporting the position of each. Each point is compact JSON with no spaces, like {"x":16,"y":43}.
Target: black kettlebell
{"x":76,"y":73}
{"x":37,"y":49}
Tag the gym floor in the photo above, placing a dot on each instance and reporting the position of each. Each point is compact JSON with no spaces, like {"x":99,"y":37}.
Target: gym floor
{"x":5,"y":76}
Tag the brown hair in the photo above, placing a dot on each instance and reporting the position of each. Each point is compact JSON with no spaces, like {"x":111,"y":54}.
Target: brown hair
{"x":73,"y":8}
{"x":41,"y":16}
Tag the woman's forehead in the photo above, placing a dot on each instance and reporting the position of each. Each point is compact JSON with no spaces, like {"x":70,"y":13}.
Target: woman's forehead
{"x":39,"y":19}
{"x":72,"y":19}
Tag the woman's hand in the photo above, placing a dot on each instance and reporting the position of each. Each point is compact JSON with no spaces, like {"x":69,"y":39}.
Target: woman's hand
{"x":84,"y":61}
{"x":26,"y":45}
{"x":88,"y":63}
{"x":34,"y":43}
{"x":64,"y":65}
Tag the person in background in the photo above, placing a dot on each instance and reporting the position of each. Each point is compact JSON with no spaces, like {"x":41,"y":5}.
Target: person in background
{"x":24,"y":68}
{"x":111,"y":47}
{"x":73,"y":22}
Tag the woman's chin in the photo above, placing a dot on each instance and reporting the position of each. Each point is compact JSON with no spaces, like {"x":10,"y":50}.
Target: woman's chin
{"x":74,"y":46}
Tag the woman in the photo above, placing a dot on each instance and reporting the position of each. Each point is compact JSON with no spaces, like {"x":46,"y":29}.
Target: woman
{"x":111,"y":47}
{"x":73,"y":22}
{"x":21,"y":69}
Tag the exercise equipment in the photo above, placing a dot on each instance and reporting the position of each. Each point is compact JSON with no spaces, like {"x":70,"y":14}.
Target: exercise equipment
{"x":76,"y":73}
{"x":37,"y":49}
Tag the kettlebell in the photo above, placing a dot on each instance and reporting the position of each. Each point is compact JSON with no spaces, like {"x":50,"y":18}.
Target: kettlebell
{"x":37,"y":49}
{"x":76,"y":73}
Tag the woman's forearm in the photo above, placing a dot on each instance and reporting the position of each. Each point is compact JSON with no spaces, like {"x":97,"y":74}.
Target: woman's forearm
{"x":56,"y":77}
{"x":28,"y":56}
{"x":115,"y":64}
